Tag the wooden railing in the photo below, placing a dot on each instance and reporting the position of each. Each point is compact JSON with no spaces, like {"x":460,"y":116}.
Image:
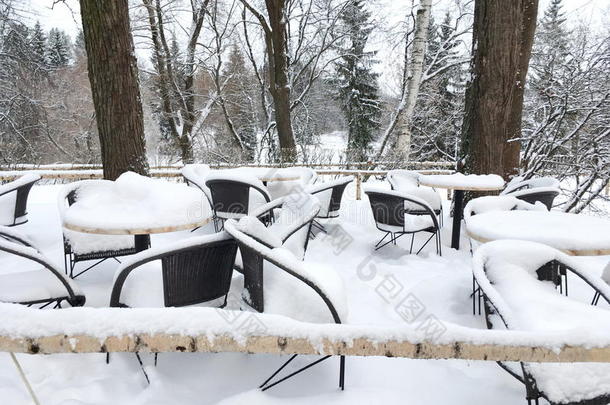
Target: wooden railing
{"x":146,"y":330}
{"x":86,"y":172}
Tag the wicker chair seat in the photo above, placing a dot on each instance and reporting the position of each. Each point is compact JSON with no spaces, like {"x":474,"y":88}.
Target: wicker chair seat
{"x":86,"y":246}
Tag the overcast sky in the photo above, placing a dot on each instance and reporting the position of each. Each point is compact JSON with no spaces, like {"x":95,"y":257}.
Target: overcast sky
{"x":66,"y":16}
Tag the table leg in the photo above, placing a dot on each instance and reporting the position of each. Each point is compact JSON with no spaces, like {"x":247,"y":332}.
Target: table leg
{"x":458,"y":212}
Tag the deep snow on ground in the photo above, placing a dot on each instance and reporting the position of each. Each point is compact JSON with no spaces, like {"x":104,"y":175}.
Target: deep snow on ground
{"x":442,"y":284}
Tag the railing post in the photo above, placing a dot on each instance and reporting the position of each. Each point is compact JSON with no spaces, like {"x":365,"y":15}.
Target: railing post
{"x":358,"y":186}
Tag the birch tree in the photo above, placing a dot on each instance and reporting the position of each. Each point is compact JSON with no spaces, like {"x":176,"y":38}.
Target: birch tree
{"x":412,"y":81}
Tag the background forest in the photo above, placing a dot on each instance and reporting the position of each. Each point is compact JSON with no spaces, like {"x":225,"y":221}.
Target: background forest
{"x":206,"y":94}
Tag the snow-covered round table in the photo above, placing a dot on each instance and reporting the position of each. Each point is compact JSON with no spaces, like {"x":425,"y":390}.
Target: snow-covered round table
{"x":136,"y":205}
{"x":574,"y":234}
{"x":459,"y":183}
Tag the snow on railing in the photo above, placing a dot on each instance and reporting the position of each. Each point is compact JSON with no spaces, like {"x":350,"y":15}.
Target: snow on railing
{"x":80,"y":172}
{"x":88,"y":330}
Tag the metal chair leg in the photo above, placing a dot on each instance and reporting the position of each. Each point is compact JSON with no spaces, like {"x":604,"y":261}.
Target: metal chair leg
{"x":265,"y":387}
{"x":142,"y":367}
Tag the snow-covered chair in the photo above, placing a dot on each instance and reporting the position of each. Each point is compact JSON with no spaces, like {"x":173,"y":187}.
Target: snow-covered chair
{"x":80,"y":247}
{"x":290,"y":230}
{"x":330,"y":195}
{"x":278,"y":189}
{"x":542,"y":189}
{"x":491,"y":203}
{"x":43,"y":286}
{"x":235,"y":196}
{"x":195,"y":175}
{"x":606,"y":278}
{"x":408,"y":181}
{"x":191,"y":271}
{"x":13,"y":200}
{"x":518,"y":296}
{"x":399,"y":213}
{"x":307,"y":291}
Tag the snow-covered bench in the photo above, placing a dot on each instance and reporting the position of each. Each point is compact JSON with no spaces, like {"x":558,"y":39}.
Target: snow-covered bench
{"x":307,"y":291}
{"x":13,"y":200}
{"x":43,"y":286}
{"x":509,"y":275}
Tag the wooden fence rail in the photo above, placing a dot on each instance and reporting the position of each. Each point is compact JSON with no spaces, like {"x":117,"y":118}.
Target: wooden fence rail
{"x":102,"y":330}
{"x":62,"y":174}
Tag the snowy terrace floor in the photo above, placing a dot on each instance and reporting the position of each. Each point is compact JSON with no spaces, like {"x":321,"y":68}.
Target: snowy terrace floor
{"x":442,"y":284}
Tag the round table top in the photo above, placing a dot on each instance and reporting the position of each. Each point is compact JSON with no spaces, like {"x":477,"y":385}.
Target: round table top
{"x":460,"y":181}
{"x":574,"y":234}
{"x":136,"y":205}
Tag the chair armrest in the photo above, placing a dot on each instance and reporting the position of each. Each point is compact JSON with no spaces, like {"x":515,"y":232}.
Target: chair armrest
{"x":29,"y":252}
{"x":267,"y":208}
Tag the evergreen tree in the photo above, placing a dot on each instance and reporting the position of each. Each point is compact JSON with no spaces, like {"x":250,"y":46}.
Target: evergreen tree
{"x":239,"y":97}
{"x":356,"y":80}
{"x":550,"y":49}
{"x":38,"y":44}
{"x":80,"y":51}
{"x":58,"y":48}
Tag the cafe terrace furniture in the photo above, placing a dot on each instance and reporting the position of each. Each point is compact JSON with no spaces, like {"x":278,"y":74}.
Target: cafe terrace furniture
{"x":460,"y":183}
{"x":13,"y":200}
{"x":103,"y":219}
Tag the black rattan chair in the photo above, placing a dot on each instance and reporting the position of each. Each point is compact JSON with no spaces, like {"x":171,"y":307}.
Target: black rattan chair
{"x":13,"y":200}
{"x":515,"y":297}
{"x":81,"y":247}
{"x":291,"y":230}
{"x":408,"y":181}
{"x":235,"y":197}
{"x":41,"y":287}
{"x":491,"y":203}
{"x":606,"y":278}
{"x":330,"y":195}
{"x":397,"y":213}
{"x":195,"y":175}
{"x":292,"y":267}
{"x":189,"y":272}
{"x":541,"y":189}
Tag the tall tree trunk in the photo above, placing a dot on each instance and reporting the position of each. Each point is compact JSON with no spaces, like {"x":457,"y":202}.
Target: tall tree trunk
{"x":512,"y":148}
{"x":278,"y":75}
{"x":416,"y":68}
{"x":502,"y":41}
{"x":113,"y":74}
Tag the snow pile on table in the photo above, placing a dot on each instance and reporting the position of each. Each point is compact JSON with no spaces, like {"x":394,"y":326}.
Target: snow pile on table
{"x":135,"y":202}
{"x":558,"y":229}
{"x":460,"y":180}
